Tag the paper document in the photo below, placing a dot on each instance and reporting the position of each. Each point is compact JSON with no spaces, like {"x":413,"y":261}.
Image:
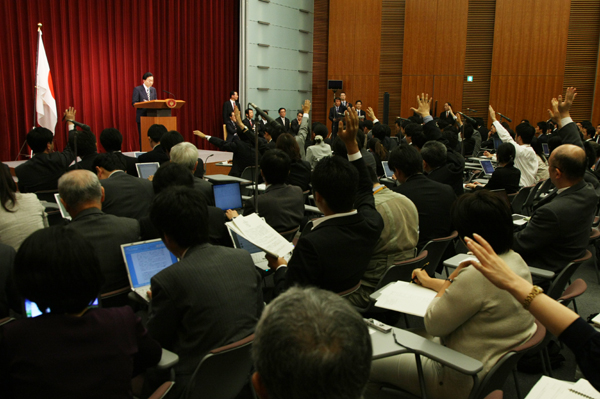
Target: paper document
{"x":550,"y":388}
{"x":259,"y":233}
{"x":405,"y":297}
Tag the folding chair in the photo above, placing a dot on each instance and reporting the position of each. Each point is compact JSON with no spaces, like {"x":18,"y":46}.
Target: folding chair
{"x":436,"y":249}
{"x":520,"y":198}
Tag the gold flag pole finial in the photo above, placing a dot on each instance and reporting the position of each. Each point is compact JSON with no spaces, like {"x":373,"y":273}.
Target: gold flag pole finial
{"x":39,"y":26}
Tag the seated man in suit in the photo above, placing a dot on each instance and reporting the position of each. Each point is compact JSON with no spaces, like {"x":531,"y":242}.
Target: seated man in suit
{"x":111,"y":140}
{"x":295,"y":124}
{"x":82,"y":195}
{"x":87,"y":150}
{"x":432,"y":199}
{"x":230,"y":127}
{"x":125,"y":195}
{"x":281,"y":205}
{"x":443,"y":165}
{"x":283,"y":121}
{"x":287,"y":335}
{"x":171,"y":139}
{"x":447,"y":115}
{"x":186,"y":154}
{"x":211,"y":297}
{"x":559,"y":229}
{"x":334,"y":251}
{"x":158,"y":153}
{"x":46,"y":166}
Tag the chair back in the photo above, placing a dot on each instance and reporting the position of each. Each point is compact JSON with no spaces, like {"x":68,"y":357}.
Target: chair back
{"x":527,"y":206}
{"x":115,"y":298}
{"x":349,"y":291}
{"x":436,"y":249}
{"x":560,"y":282}
{"x":290,"y":234}
{"x":520,"y":198}
{"x":248,"y":173}
{"x":223,"y":372}
{"x":402,"y":271}
{"x":496,"y":377}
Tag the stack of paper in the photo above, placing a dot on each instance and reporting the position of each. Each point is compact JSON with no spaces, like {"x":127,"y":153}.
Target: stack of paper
{"x":405,"y":297}
{"x":550,"y":388}
{"x":259,"y":233}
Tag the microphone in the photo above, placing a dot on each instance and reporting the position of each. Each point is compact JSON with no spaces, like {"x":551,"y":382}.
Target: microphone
{"x":471,"y":120}
{"x":81,"y":125}
{"x":472,"y":110}
{"x":505,"y":117}
{"x":270,"y":121}
{"x":168,"y":92}
{"x":206,"y":160}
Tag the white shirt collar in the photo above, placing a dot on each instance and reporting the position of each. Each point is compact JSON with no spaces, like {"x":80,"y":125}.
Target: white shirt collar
{"x":318,"y":221}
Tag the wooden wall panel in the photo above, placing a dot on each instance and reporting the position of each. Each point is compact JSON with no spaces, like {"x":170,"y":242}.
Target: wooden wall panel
{"x":528,"y":61}
{"x":354,"y":53}
{"x":320,"y":61}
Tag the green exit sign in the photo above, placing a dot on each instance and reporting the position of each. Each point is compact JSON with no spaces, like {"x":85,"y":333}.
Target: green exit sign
{"x":469,"y":78}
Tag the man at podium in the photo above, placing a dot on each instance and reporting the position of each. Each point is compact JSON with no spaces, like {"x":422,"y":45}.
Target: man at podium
{"x":144,"y":92}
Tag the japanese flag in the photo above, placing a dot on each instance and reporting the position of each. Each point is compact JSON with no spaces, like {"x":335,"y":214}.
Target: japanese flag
{"x":45,"y":100}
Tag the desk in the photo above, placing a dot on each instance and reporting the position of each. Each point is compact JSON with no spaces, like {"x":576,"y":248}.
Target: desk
{"x":454,"y":261}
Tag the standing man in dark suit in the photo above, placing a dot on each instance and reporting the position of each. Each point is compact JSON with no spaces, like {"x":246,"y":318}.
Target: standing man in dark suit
{"x":229,"y":105}
{"x":334,"y":251}
{"x":282,"y":120}
{"x":124,"y":195}
{"x":432,"y":199}
{"x":335,"y":113}
{"x":211,"y":297}
{"x":141,"y":93}
{"x":158,"y":153}
{"x":343,"y":101}
{"x":82,"y":195}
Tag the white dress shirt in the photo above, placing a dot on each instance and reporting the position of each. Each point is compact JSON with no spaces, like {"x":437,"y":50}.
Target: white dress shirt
{"x":525,"y":158}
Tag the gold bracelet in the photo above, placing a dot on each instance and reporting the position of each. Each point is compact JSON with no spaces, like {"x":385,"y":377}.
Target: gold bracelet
{"x":535,"y":291}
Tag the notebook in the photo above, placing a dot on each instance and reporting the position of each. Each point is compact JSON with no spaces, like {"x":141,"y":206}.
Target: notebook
{"x":487,"y":166}
{"x":550,"y":388}
{"x":63,"y":210}
{"x":146,"y":169}
{"x":388,"y":172}
{"x":31,"y":309}
{"x":143,"y":260}
{"x":228,"y":196}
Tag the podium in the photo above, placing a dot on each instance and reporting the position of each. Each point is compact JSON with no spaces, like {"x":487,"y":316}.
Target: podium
{"x":158,"y":112}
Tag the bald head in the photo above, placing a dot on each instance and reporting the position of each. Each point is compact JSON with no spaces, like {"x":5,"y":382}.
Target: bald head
{"x":79,"y":190}
{"x":567,"y":165}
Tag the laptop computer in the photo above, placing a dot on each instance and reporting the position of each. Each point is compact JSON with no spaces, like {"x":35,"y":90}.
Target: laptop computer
{"x":228,"y":196}
{"x":146,"y":169}
{"x":31,"y":309}
{"x":487,"y":166}
{"x":386,"y":168}
{"x":61,"y":207}
{"x":257,"y":254}
{"x":546,"y":149}
{"x":143,"y":260}
{"x":137,"y":154}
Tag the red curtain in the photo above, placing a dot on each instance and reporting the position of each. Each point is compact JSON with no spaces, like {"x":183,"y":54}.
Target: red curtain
{"x":98,"y":51}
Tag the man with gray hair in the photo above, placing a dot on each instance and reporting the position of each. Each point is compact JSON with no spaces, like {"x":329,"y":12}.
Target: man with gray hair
{"x":443,"y":165}
{"x":186,"y":154}
{"x":82,"y":194}
{"x":310,"y":343}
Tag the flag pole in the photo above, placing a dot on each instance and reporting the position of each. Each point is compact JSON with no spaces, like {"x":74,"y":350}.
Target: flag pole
{"x":37,"y":56}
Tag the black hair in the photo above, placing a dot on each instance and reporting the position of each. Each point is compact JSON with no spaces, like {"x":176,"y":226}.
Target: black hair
{"x":468,"y":131}
{"x":110,"y":162}
{"x":320,"y":129}
{"x":479,"y":121}
{"x":8,"y":188}
{"x":147,"y":75}
{"x":360,"y":139}
{"x":275,"y":165}
{"x":357,"y":101}
{"x":537,"y":147}
{"x":86,"y":143}
{"x":58,"y":269}
{"x":591,"y":131}
{"x":111,"y":139}
{"x":182,"y":214}
{"x":171,"y":139}
{"x":368,"y":124}
{"x":526,"y":121}
{"x":248,"y":111}
{"x":406,"y":159}
{"x":378,"y":131}
{"x":434,"y":153}
{"x":336,"y":180}
{"x":543,"y":126}
{"x":506,"y":153}
{"x":288,"y":144}
{"x":418,"y":140}
{"x":416,"y":118}
{"x":231,"y":93}
{"x":486,"y":214}
{"x":278,"y":111}
{"x":156,"y":131}
{"x":337,"y":98}
{"x":339,"y":147}
{"x":171,"y":174}
{"x":553,"y":143}
{"x":38,"y":139}
{"x":526,"y":131}
{"x":412,"y":128}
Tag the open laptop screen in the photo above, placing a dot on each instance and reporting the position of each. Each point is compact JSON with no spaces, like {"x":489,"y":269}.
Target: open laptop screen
{"x":546,"y":149}
{"x":487,"y":166}
{"x":146,"y":258}
{"x":386,"y":167}
{"x":228,"y":196}
{"x":32,"y":310}
{"x":147,"y":169}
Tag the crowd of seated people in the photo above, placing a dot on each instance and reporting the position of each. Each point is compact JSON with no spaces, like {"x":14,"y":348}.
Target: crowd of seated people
{"x":214,"y":294}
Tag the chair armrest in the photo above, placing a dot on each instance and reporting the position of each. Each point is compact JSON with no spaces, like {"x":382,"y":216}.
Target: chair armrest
{"x":312,"y":209}
{"x":167,"y":360}
{"x":547,"y":274}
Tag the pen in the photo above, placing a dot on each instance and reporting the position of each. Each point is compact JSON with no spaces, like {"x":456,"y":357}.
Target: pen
{"x":415,"y":279}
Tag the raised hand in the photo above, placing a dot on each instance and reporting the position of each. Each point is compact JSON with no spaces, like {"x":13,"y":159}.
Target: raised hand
{"x":492,"y":114}
{"x":348,"y":136}
{"x":565,"y":106}
{"x":370,"y":113}
{"x":199,"y":134}
{"x":490,"y":264}
{"x":70,"y":114}
{"x":554,"y":112}
{"x":306,"y":106}
{"x":424,"y":103}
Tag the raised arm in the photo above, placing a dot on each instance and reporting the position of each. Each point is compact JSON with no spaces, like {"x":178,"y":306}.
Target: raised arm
{"x":302,"y":135}
{"x":502,"y":132}
{"x":568,"y":131}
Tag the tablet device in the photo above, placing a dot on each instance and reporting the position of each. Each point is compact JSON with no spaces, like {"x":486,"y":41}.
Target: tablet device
{"x":146,"y":169}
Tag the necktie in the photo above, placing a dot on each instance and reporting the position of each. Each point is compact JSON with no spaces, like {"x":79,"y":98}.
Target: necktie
{"x":148,"y":93}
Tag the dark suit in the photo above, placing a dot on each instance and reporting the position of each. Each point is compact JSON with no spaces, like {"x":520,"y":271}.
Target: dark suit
{"x":335,"y":254}
{"x":87,"y":163}
{"x":205,"y":188}
{"x":139,"y":95}
{"x":129,"y":162}
{"x":451,"y":173}
{"x":333,"y":114}
{"x":231,"y":128}
{"x":569,"y":134}
{"x":281,"y":205}
{"x":504,"y":178}
{"x":106,"y":233}
{"x":360,"y":113}
{"x":43,"y":170}
{"x":228,"y":109}
{"x":294,"y":127}
{"x":447,"y":117}
{"x":210,"y":298}
{"x":250,"y":124}
{"x":559,"y":229}
{"x":300,"y":172}
{"x":286,"y":124}
{"x":433,"y":201}
{"x":126,"y":196}
{"x":158,"y":154}
{"x":243,"y":153}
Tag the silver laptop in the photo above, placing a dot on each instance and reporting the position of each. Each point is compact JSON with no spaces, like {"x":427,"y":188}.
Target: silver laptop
{"x":143,"y":260}
{"x":487,"y":166}
{"x":388,"y":172}
{"x":63,"y":210}
{"x":146,"y":169}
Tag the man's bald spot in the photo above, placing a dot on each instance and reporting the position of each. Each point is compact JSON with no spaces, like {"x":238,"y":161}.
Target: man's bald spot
{"x":79,"y":187}
{"x":570,"y":159}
